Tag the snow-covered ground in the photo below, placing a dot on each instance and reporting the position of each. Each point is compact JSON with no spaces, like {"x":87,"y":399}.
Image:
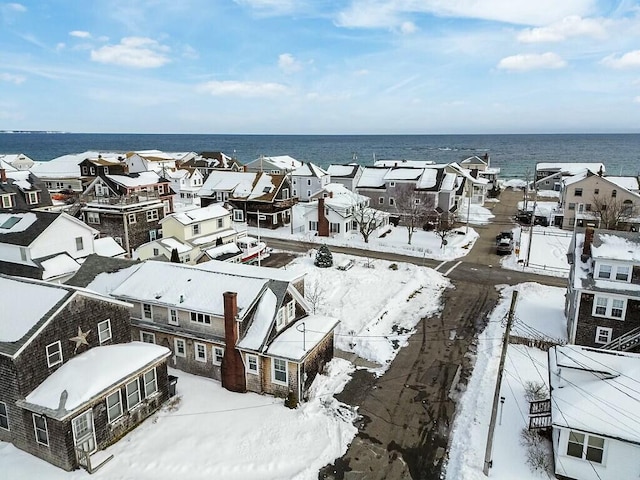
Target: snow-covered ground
{"x":547,"y":255}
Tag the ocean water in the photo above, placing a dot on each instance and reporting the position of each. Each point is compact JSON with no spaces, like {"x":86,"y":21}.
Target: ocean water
{"x":515,"y":155}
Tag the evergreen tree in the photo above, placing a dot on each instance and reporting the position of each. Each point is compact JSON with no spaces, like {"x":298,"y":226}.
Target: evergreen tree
{"x":324,"y":259}
{"x":175,"y":258}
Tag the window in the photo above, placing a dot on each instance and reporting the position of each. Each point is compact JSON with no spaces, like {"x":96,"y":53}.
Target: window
{"x":114,"y":406}
{"x":32,"y":198}
{"x":105,"y":170}
{"x":609,"y":307}
{"x":392,"y":184}
{"x":173,"y":316}
{"x":572,"y":206}
{"x":54,"y":354}
{"x":152,"y":235}
{"x":23,"y":254}
{"x":313,"y":226}
{"x":596,"y":191}
{"x":218,"y":353}
{"x":381,"y":200}
{"x":93,"y":217}
{"x":622,"y":273}
{"x":280,"y":319}
{"x":200,"y":352}
{"x":4,"y":416}
{"x":238,"y":215}
{"x":308,"y":182}
{"x":195,"y":229}
{"x":40,"y":427}
{"x":334,"y":227}
{"x":180,"y":347}
{"x":147,"y":337}
{"x":291,"y":310}
{"x":614,"y":193}
{"x":392,"y":201}
{"x":92,"y":170}
{"x":133,"y":394}
{"x":416,"y":201}
{"x":79,"y":244}
{"x":200,"y":318}
{"x":577,"y":192}
{"x":252,"y":364}
{"x":132,"y":218}
{"x":104,"y":331}
{"x":156,"y":252}
{"x":604,"y":271}
{"x":603,"y":335}
{"x":85,"y":170}
{"x":220,"y":223}
{"x":7,"y":201}
{"x":152,"y":215}
{"x":279,"y":371}
{"x":150,"y":383}
{"x":147,"y":311}
{"x":587,"y":447}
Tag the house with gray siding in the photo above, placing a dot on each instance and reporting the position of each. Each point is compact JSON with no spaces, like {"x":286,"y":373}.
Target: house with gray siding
{"x":307,"y":180}
{"x":71,"y":382}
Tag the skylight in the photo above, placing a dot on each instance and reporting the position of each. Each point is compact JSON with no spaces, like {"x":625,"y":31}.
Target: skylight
{"x":10,"y":222}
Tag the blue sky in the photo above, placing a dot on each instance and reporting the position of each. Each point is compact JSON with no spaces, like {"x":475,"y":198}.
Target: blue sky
{"x":320,"y":66}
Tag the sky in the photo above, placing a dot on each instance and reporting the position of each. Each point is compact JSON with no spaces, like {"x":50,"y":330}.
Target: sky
{"x":320,"y":66}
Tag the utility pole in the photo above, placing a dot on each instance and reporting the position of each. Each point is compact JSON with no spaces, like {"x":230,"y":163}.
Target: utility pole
{"x":496,"y":395}
{"x":533,"y":219}
{"x":469,"y":206}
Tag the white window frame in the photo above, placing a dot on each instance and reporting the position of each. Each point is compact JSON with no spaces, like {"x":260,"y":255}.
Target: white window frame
{"x":217,"y":352}
{"x":172,"y":317}
{"x":291,"y":310}
{"x":134,"y":391}
{"x":32,"y":198}
{"x":313,"y":226}
{"x":196,"y":352}
{"x":79,"y":244}
{"x":202,"y":318}
{"x":109,"y":335}
{"x":4,"y":417}
{"x":119,"y":403}
{"x":151,"y":336}
{"x":195,"y":229}
{"x":6,"y":201}
{"x":42,"y":428}
{"x":627,"y":276}
{"x":132,"y":218}
{"x":392,"y":201}
{"x":93,"y":218}
{"x":152,"y":215}
{"x":144,"y":311}
{"x":253,"y":365}
{"x":586,"y":446}
{"x":392,"y":184}
{"x":176,"y":343}
{"x":274,"y":371}
{"x":605,"y":271}
{"x":57,"y":352}
{"x":280,"y":319}
{"x":603,"y":335}
{"x":238,"y":215}
{"x":608,"y":306}
{"x":153,"y":381}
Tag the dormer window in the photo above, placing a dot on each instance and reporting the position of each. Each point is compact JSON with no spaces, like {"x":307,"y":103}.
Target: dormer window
{"x":622,"y":273}
{"x":32,"y":198}
{"x":7,"y":201}
{"x":604,"y":271}
{"x":280,"y":322}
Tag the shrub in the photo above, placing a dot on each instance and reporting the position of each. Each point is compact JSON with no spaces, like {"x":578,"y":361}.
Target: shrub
{"x":324,"y":259}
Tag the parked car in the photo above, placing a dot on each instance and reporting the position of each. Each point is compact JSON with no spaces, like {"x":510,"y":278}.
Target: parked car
{"x":504,"y":243}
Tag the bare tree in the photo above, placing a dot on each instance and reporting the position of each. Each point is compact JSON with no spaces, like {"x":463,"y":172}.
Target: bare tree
{"x":314,"y":294}
{"x":367,"y":219}
{"x":613,"y":212}
{"x":443,"y":230}
{"x":414,"y":207}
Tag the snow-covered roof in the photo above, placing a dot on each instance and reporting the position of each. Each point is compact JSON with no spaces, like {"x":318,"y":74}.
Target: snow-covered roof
{"x":575,"y":177}
{"x":224,"y":249}
{"x":343,"y":170}
{"x":106,"y":282}
{"x":107,"y":247}
{"x":16,"y":222}
{"x":153,"y":155}
{"x":283,"y":162}
{"x":628,"y":183}
{"x":570,"y":168}
{"x":624,"y":246}
{"x":137,"y":180}
{"x":188,"y":287}
{"x":21,"y":179}
{"x":19,"y":310}
{"x":595,"y":391}
{"x":403,"y":174}
{"x":58,"y":266}
{"x":301,"y":337}
{"x":261,"y":324}
{"x":226,"y":181}
{"x":372,"y":178}
{"x":251,"y":271}
{"x":65,"y":166}
{"x":403,"y":163}
{"x":309,"y":170}
{"x":195,"y":215}
{"x":90,"y":375}
{"x":449,"y":181}
{"x":428,"y":179}
{"x":206,"y":239}
{"x":171,"y":242}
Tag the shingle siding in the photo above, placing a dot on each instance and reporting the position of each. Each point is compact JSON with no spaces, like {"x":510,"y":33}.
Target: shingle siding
{"x":587,"y":323}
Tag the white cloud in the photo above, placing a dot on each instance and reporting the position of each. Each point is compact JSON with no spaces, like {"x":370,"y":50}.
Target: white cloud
{"x":189,"y":52}
{"x":288,"y":64}
{"x":243,"y":89}
{"x":628,"y":60}
{"x":14,"y":7}
{"x":572,"y":26}
{"x":390,"y":13}
{"x":532,"y":61}
{"x":138,"y":52}
{"x":269,"y":7}
{"x":80,"y":34}
{"x":408,"y":28}
{"x":11,"y":78}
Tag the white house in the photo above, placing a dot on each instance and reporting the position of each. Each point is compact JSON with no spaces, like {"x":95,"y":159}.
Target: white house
{"x":185,"y":182}
{"x":594,"y":413}
{"x":19,"y":161}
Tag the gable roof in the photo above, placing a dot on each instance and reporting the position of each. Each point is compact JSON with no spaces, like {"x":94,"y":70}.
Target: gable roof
{"x":595,"y":391}
{"x":94,"y":265}
{"x":25,"y":226}
{"x":195,"y":215}
{"x":344,"y":171}
{"x":255,"y":186}
{"x":570,"y":168}
{"x":309,"y":169}
{"x":281,"y":162}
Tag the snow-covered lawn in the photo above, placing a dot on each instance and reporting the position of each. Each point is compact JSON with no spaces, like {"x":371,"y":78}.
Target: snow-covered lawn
{"x":538,"y":309}
{"x":548,"y":255}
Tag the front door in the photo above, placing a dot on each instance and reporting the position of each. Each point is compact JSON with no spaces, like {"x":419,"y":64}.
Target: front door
{"x":83,"y":433}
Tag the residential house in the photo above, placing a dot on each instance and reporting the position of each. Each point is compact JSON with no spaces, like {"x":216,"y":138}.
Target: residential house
{"x":594,"y":400}
{"x":70,"y":383}
{"x":278,"y":165}
{"x":101,"y":165}
{"x":206,"y":162}
{"x":186,"y":182}
{"x":248,"y":327}
{"x":43,"y":245}
{"x":308,"y":179}
{"x":549,"y":175}
{"x":260,"y":199}
{"x":149,"y":161}
{"x":21,"y":190}
{"x":346,"y":175}
{"x":19,"y":161}
{"x":603,"y":293}
{"x":190,"y":232}
{"x":480,"y":167}
{"x":584,"y":196}
{"x":128,"y":207}
{"x":62,"y":174}
{"x":336,"y":210}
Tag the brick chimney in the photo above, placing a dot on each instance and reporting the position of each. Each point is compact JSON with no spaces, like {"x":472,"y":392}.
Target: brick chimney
{"x":323,"y":221}
{"x":3,"y":175}
{"x":586,"y":246}
{"x":232,"y":368}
